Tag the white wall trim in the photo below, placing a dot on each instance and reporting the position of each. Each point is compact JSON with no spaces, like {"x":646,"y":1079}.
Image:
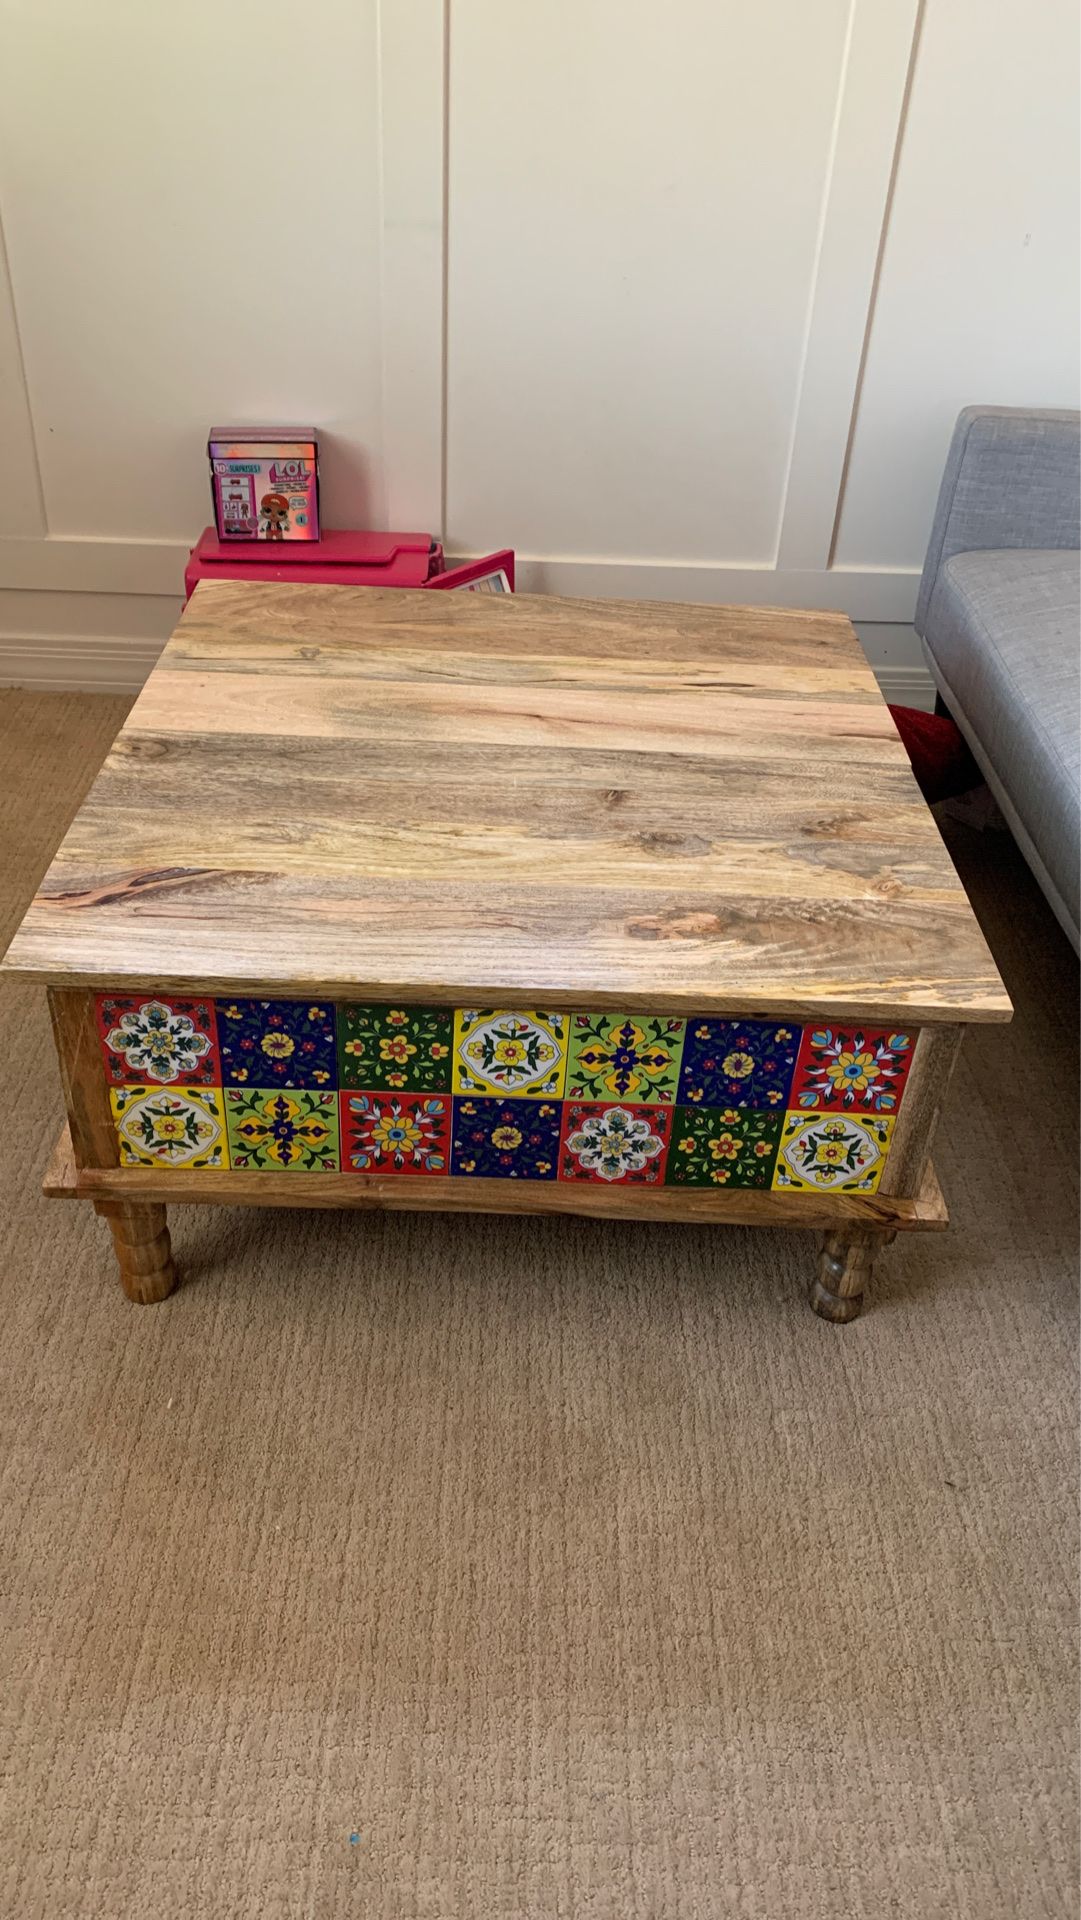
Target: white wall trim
{"x":76,"y":564}
{"x":157,"y":567}
{"x":86,"y":663}
{"x":864,"y":594}
{"x":412,"y":112}
{"x":92,"y":663}
{"x":25,"y":497}
{"x":867,"y":129}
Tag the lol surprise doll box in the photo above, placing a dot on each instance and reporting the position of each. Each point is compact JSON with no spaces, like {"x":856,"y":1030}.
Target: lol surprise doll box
{"x":265,"y":482}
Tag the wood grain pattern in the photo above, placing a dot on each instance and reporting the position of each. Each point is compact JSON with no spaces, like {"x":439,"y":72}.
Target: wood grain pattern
{"x":61,"y":1173}
{"x":143,"y":1250}
{"x":933,"y":1062}
{"x":86,"y":1095}
{"x":845,"y":1262}
{"x":445,"y":1194}
{"x":467,"y":800}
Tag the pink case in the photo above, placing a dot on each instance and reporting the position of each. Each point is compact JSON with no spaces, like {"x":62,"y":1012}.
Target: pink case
{"x":342,"y":557}
{"x":476,"y":570}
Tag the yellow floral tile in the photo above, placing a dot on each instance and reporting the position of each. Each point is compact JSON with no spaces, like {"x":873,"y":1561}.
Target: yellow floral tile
{"x":831,"y":1153}
{"x":170,"y":1126}
{"x":521,"y":1055}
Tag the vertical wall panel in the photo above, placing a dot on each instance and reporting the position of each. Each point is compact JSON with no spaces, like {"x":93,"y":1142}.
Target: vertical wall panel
{"x":978,"y":296}
{"x":191,"y":204}
{"x":634,"y":199}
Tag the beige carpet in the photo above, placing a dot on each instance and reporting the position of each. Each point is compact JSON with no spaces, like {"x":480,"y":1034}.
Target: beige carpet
{"x":576,"y":1570}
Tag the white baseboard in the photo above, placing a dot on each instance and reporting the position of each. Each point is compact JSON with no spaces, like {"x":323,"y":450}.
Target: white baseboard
{"x":906,"y":686}
{"x":76,"y":662}
{"x":93,"y":663}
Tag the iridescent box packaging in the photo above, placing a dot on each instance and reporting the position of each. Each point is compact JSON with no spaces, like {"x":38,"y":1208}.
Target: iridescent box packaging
{"x":265,"y":482}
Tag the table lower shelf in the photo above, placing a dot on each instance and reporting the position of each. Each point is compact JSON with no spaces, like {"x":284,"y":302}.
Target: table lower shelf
{"x":738,"y":1206}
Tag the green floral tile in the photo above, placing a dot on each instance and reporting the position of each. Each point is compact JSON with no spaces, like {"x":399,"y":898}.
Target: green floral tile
{"x":623,"y":1056}
{"x":407,"y":1049}
{"x":282,"y":1129}
{"x":723,"y":1147}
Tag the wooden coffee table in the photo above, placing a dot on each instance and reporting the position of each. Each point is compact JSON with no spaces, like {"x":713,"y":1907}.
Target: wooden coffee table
{"x":533,"y":905}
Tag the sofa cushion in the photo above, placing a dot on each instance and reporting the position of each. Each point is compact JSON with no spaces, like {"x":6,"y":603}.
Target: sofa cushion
{"x":1002,"y":628}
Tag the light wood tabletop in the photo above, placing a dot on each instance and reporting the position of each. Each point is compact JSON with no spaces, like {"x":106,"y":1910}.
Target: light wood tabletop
{"x":481,"y":800}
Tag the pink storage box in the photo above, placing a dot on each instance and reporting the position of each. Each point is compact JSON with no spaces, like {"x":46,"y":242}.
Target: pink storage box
{"x":341,"y":558}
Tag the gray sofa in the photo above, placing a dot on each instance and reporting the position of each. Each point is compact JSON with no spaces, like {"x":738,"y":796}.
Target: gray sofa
{"x":999,"y":615}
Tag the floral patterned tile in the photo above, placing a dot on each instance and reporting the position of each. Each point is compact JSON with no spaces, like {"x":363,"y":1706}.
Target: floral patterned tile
{"x":623,"y":1056}
{"x":281,"y":1129}
{"x":506,"y":1139}
{"x":723,"y":1146}
{"x":277,"y":1043}
{"x":171,"y":1042}
{"x":408,"y":1048}
{"x":385,"y":1132}
{"x":522,"y":1055}
{"x":170,"y":1126}
{"x":852,"y":1069}
{"x":738,"y":1063}
{"x":831,"y":1152}
{"x":625,"y":1143}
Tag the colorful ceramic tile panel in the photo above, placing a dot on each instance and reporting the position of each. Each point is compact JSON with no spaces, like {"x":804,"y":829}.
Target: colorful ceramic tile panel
{"x":831,"y":1152}
{"x":521,"y":1055}
{"x":407,"y":1048}
{"x":169,"y":1042}
{"x":277,"y":1043}
{"x":723,"y":1147}
{"x":623,"y":1056}
{"x":384,"y":1132}
{"x":631,"y":1097}
{"x":624,"y":1143}
{"x":170,"y":1126}
{"x":282,"y":1129}
{"x":737,"y":1063}
{"x":506,"y":1139}
{"x":852,"y":1069}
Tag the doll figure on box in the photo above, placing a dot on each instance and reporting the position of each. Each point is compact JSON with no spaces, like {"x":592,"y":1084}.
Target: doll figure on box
{"x":274,"y":508}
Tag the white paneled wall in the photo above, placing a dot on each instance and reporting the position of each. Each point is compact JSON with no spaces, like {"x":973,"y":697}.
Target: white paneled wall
{"x":979,"y":292}
{"x":680,"y":301}
{"x":633,"y":215}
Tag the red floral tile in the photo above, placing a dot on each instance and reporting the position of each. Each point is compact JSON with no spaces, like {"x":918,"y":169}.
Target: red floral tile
{"x":614,"y":1143}
{"x":157,"y":1041}
{"x":851,"y":1069}
{"x":385,"y":1132}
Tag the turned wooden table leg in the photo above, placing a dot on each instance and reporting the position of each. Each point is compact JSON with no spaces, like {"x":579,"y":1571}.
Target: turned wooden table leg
{"x":844,"y":1268}
{"x":143,"y":1251}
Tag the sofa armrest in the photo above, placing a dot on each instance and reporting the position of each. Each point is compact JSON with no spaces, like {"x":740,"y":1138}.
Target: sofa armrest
{"x":1012,"y":479}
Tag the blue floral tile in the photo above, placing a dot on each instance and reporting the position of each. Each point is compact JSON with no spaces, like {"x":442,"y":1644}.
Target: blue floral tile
{"x":506,"y":1139}
{"x":277,"y":1043}
{"x":738,"y":1063}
